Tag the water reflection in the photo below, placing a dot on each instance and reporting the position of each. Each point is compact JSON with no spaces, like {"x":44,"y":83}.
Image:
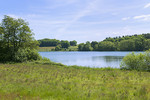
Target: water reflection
{"x":90,"y":59}
{"x":108,"y":58}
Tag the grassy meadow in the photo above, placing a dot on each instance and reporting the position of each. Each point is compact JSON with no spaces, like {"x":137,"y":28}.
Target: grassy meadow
{"x":47,"y":49}
{"x":51,"y":81}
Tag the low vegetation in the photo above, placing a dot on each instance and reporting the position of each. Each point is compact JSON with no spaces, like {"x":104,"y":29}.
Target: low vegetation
{"x":49,"y":81}
{"x":140,"y":61}
{"x":46,"y":49}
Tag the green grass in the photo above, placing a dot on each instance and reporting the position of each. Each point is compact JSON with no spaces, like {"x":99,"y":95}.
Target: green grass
{"x":73,"y":48}
{"x":51,"y":81}
{"x":45,"y":49}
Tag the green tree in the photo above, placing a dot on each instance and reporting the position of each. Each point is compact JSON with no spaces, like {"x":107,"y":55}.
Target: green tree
{"x":94,"y":45}
{"x":147,"y":44}
{"x":48,"y":42}
{"x":139,"y":43}
{"x":65,"y":44}
{"x":106,"y":46}
{"x":16,"y":40}
{"x":80,"y":46}
{"x":87,"y":46}
{"x":127,"y":45}
{"x":73,"y":43}
{"x":58,"y":48}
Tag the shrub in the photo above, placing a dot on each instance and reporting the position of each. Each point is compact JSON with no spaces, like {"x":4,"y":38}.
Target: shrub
{"x":23,"y":55}
{"x":58,"y":48}
{"x":134,"y":61}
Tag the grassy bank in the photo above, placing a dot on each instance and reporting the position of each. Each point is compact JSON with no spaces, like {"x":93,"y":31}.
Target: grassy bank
{"x":47,"y":49}
{"x":52,"y":81}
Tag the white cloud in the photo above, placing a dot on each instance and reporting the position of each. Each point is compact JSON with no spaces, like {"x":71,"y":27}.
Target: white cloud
{"x":147,"y":5}
{"x":143,"y":17}
{"x":126,"y":18}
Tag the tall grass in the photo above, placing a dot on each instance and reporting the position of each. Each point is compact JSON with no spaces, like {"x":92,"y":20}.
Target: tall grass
{"x":51,"y":81}
{"x":45,"y":49}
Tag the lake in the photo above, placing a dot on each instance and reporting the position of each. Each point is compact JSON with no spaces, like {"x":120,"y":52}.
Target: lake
{"x":89,"y":59}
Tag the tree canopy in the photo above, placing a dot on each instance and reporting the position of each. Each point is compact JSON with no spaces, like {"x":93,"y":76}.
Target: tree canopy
{"x":124,"y":43}
{"x":16,"y":41}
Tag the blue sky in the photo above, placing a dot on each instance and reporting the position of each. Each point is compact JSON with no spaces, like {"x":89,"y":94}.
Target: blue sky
{"x":81,"y":20}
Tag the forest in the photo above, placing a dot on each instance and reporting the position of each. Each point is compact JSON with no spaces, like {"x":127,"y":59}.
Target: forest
{"x":125,"y":43}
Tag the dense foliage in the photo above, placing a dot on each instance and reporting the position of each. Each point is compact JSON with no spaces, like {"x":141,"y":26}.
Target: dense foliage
{"x":73,"y":43}
{"x":16,"y":41}
{"x":48,"y":42}
{"x":124,"y":43}
{"x":140,"y":61}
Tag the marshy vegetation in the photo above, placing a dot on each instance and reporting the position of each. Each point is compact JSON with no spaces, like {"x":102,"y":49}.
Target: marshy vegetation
{"x":45,"y":80}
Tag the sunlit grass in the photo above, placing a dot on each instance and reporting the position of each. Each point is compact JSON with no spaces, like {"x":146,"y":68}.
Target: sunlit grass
{"x":73,"y":48}
{"x":52,"y":81}
{"x":45,"y":49}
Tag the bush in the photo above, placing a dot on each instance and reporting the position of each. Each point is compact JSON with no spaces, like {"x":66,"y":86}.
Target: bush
{"x":23,"y":55}
{"x":58,"y":48}
{"x":134,"y":61}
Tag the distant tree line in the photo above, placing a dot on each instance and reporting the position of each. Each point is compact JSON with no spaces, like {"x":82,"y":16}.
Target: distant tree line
{"x":124,"y":43}
{"x":63,"y":44}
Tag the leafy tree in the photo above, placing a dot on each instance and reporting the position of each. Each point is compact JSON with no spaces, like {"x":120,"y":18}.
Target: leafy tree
{"x":94,"y":45}
{"x":73,"y":43}
{"x":139,"y":43}
{"x":127,"y":45}
{"x":106,"y":46}
{"x":16,"y":41}
{"x":87,"y":47}
{"x":58,"y":48}
{"x":147,"y":36}
{"x":65,"y":44}
{"x":48,"y":42}
{"x":80,"y":46}
{"x":147,"y":44}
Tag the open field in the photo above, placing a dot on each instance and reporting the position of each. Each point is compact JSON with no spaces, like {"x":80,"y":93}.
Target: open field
{"x":73,"y":48}
{"x":50,"y":81}
{"x":45,"y":49}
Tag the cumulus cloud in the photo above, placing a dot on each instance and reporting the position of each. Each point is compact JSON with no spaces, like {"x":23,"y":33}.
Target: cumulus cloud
{"x":147,"y":5}
{"x":143,"y":17}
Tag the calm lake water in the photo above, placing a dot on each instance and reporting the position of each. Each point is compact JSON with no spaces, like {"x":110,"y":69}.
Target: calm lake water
{"x":90,"y":59}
